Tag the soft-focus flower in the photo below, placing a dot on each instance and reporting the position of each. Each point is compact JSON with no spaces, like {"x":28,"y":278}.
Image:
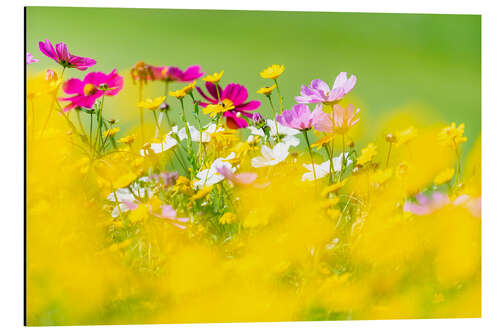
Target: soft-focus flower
{"x":110,"y":132}
{"x":319,"y":92}
{"x":323,"y":169}
{"x":228,"y":218}
{"x":472,"y":204}
{"x":151,"y":104}
{"x":325,"y":139}
{"x":332,"y":189}
{"x":30,"y":59}
{"x":266,"y":90}
{"x":367,"y":154}
{"x":92,"y":87}
{"x":179,"y":94}
{"x":175,"y":74}
{"x":126,"y":196}
{"x":344,"y":119}
{"x":298,"y":117}
{"x":169,"y":213}
{"x":62,"y":56}
{"x":405,"y":136}
{"x":189,"y":88}
{"x":235,"y":93}
{"x":214,"y":78}
{"x":426,"y":205}
{"x":142,"y":72}
{"x":211,"y":176}
{"x":242,"y":178}
{"x":270,"y":156}
{"x":128,"y":140}
{"x":452,"y":135}
{"x":444,"y":177}
{"x":272,"y":72}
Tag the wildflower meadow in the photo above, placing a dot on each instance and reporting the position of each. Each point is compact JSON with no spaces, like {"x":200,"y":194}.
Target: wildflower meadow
{"x":219,"y":203}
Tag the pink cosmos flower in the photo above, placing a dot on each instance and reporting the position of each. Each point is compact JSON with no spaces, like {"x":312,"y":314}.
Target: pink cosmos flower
{"x":62,"y":56}
{"x":167,"y":213}
{"x":426,"y":205}
{"x":93,"y":86}
{"x":237,"y":94}
{"x":344,"y":119}
{"x":243,"y":178}
{"x":298,"y":117}
{"x":168,"y":73}
{"x":319,"y":92}
{"x":30,"y":59}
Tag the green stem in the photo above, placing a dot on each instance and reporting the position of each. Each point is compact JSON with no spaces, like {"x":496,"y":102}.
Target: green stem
{"x":279,"y":95}
{"x":310,"y":153}
{"x":188,"y":134}
{"x":278,"y":139}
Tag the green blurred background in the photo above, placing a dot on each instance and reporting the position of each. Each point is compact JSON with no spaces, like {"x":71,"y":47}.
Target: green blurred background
{"x":432,"y":62}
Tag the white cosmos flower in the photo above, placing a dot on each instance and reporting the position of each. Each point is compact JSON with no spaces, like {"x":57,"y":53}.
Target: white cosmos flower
{"x":167,"y":142}
{"x":324,"y":168}
{"x":125,"y":195}
{"x":210,"y":176}
{"x":205,"y":133}
{"x":287,"y":134}
{"x":271,"y":156}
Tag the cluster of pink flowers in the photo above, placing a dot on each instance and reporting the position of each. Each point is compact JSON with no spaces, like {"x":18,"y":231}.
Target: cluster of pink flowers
{"x":318,"y":92}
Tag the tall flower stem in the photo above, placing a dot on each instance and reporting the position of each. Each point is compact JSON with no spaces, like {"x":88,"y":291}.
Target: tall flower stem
{"x":160,"y":117}
{"x":388,"y":155}
{"x":279,"y":95}
{"x":459,"y":167}
{"x":52,"y":106}
{"x":310,"y":152}
{"x":141,"y":112}
{"x":189,"y":138}
{"x":330,"y":158}
{"x":343,"y":155}
{"x":99,"y":124}
{"x":275,"y":120}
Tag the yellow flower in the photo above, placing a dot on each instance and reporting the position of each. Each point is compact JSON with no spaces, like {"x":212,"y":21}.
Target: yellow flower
{"x":129,"y":139}
{"x":151,"y":104}
{"x":330,"y":202}
{"x":139,"y":214}
{"x":266,"y":90}
{"x":111,"y":132}
{"x":324,"y":140}
{"x":202,"y":193}
{"x":189,"y":88}
{"x":367,"y":154}
{"x":183,"y":185}
{"x":444,"y":177}
{"x":452,"y":135}
{"x":214,"y":109}
{"x":227,"y":218}
{"x":272,"y":72}
{"x":382,"y":176}
{"x":179,"y":94}
{"x":405,"y":136}
{"x":214,"y":78}
{"x":333,"y":188}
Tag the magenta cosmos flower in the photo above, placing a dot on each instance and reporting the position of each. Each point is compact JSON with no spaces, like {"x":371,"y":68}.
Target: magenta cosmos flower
{"x":168,"y":73}
{"x":93,"y":86}
{"x":298,"y":117}
{"x":320,"y":92}
{"x":237,"y":95}
{"x":62,"y":56}
{"x":30,"y":59}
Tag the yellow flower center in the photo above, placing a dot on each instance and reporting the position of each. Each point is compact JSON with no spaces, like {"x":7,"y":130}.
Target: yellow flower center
{"x":89,"y":89}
